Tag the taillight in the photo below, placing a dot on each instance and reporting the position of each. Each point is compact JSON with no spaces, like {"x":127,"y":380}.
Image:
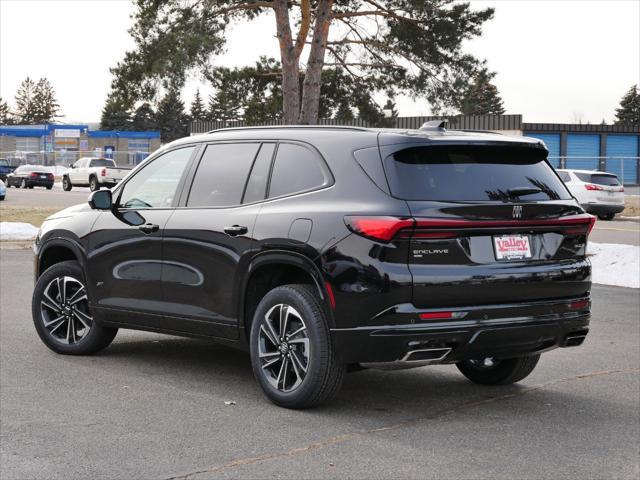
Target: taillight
{"x":621,"y":189}
{"x":103,"y":173}
{"x":379,"y":228}
{"x":579,"y":304}
{"x":591,"y":186}
{"x":49,"y":175}
{"x":33,"y":175}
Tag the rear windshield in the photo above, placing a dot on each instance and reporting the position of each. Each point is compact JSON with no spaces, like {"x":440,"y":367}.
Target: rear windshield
{"x":100,"y":162}
{"x":598,"y":178}
{"x":473,"y":173}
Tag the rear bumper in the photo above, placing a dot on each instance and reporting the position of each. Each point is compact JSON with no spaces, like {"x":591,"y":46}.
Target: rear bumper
{"x":603,"y":208}
{"x":502,"y":331}
{"x":39,"y":183}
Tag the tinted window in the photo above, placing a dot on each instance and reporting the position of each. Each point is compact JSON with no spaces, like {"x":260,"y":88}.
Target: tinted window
{"x":222,"y":174}
{"x":101,"y":162}
{"x":296,"y":169}
{"x":257,"y":184}
{"x":598,"y":178}
{"x":473,"y":173}
{"x":156,"y":183}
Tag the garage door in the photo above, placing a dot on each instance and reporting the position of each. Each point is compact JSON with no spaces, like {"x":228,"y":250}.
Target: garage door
{"x":622,"y":153}
{"x":552,"y":141}
{"x":583,"y":151}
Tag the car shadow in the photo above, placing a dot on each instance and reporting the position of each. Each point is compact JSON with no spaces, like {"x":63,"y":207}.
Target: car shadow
{"x":367,"y":396}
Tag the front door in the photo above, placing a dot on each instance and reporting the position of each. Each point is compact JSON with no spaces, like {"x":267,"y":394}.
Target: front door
{"x":125,"y":245}
{"x":208,"y":240}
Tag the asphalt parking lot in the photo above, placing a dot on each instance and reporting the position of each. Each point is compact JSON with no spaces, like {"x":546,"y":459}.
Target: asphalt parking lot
{"x":153,"y":406}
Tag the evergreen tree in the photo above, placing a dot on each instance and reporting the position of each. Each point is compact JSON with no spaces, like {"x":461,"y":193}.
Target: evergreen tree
{"x":5,"y":115}
{"x":115,"y":114}
{"x":172,"y":120}
{"x":344,"y":113}
{"x":481,"y":97}
{"x":144,"y":118}
{"x":25,"y":105}
{"x":629,"y":111}
{"x":198,"y":111}
{"x":46,"y":107}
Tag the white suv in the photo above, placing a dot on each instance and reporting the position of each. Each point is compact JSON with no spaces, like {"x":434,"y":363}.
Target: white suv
{"x":599,"y":193}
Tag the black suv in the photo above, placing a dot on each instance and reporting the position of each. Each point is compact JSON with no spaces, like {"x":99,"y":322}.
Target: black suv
{"x":323,"y":249}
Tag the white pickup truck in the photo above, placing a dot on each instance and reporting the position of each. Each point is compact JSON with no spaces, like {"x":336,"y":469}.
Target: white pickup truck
{"x":93,"y":173}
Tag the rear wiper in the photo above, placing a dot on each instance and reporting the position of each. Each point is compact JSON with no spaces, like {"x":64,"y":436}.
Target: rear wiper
{"x":519,"y":191}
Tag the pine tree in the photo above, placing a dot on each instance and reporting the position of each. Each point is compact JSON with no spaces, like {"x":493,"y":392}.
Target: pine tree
{"x":144,"y":118}
{"x":115,"y":114}
{"x":481,"y":97}
{"x":46,"y":107}
{"x":5,"y":115}
{"x":198,"y":111}
{"x":629,"y":111}
{"x":173,"y":122}
{"x":25,"y":105}
{"x":224,"y":106}
{"x":344,"y":113}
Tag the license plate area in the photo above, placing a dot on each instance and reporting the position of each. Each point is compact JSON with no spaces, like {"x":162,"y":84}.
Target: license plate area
{"x":512,"y":247}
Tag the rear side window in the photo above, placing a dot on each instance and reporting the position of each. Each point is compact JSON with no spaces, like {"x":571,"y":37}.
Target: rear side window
{"x":296,"y":169}
{"x":222,"y":174}
{"x":598,"y":178}
{"x":473,"y":173}
{"x":564,"y":176}
{"x":256,"y":188}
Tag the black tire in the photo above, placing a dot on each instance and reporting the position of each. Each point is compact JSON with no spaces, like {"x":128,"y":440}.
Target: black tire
{"x":503,"y":372}
{"x":607,"y":216}
{"x":93,"y":184}
{"x":49,"y":187}
{"x":1,"y":197}
{"x":324,"y":373}
{"x":23,"y":183}
{"x":66,"y":184}
{"x":82,"y":341}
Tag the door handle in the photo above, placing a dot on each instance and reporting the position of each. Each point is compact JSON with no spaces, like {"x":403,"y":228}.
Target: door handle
{"x":235,"y":230}
{"x":149,"y":228}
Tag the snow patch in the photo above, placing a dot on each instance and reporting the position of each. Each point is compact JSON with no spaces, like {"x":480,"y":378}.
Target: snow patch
{"x":17,"y":231}
{"x":615,"y":264}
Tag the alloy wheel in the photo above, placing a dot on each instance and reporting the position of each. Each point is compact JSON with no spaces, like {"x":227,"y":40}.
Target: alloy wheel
{"x":283,"y":347}
{"x":485,"y":363}
{"x":64,"y":310}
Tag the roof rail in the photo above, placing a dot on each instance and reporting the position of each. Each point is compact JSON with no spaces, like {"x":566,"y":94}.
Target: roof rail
{"x":434,"y":125}
{"x":301,"y":127}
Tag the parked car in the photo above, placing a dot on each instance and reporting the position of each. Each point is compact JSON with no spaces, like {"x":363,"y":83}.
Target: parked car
{"x":5,"y":169}
{"x":600,"y":193}
{"x":321,"y":248}
{"x":3,"y":190}
{"x":93,"y":173}
{"x":29,"y":176}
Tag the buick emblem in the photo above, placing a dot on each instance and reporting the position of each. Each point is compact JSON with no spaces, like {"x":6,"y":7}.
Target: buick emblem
{"x":517,"y":211}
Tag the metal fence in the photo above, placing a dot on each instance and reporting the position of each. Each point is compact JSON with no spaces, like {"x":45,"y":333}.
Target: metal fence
{"x":66,"y":158}
{"x":463,"y":122}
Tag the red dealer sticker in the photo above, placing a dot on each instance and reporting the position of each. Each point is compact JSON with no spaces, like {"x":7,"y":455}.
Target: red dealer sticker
{"x":512,"y":247}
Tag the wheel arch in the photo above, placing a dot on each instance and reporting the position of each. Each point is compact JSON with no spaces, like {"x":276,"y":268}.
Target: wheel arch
{"x":58,"y":250}
{"x":269,"y":270}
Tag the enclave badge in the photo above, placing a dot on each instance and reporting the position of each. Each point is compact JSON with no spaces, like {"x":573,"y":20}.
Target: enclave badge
{"x":517,"y":211}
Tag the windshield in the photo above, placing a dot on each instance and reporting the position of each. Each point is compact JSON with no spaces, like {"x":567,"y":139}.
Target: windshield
{"x":473,"y":173}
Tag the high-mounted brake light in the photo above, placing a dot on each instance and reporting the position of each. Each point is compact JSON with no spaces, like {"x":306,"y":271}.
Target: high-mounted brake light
{"x":379,"y":228}
{"x":590,"y":186}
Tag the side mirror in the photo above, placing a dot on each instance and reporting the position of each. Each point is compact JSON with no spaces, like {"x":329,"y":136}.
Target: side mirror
{"x":101,"y":200}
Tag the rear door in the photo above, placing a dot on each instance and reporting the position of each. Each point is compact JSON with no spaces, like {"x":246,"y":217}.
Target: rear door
{"x":209,"y":239}
{"x":493,"y":224}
